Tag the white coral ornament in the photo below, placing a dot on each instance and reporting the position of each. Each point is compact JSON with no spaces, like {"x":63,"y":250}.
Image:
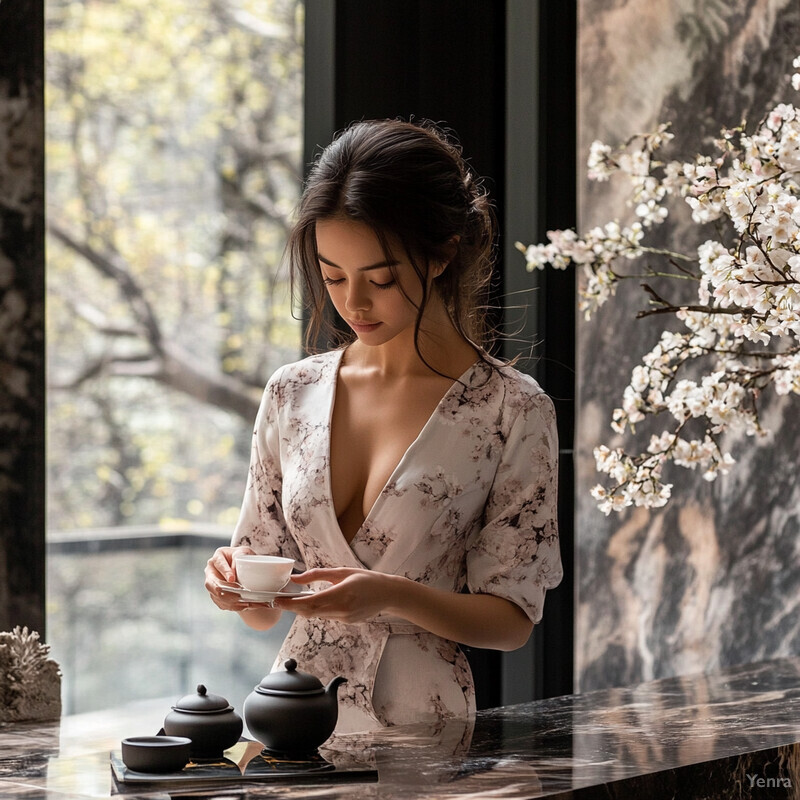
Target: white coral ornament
{"x":30,"y":682}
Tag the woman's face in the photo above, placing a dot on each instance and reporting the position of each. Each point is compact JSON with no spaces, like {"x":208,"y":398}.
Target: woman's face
{"x":376,"y":298}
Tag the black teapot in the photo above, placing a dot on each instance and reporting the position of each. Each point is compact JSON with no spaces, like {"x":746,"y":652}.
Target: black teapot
{"x":291,"y":712}
{"x":208,"y":720}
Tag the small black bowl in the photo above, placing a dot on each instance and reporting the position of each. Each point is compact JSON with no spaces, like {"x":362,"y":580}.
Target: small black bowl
{"x":156,"y":753}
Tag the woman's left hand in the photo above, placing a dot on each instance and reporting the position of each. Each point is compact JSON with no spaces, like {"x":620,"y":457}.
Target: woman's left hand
{"x":354,"y":596}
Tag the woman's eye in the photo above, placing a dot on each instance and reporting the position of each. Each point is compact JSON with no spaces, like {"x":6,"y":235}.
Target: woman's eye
{"x":387,"y":285}
{"x":331,"y":281}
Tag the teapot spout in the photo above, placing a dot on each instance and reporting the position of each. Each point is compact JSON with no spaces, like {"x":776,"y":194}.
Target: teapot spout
{"x":333,"y":687}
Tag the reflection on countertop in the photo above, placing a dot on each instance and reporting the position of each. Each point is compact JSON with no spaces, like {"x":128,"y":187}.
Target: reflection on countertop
{"x":735,"y":733}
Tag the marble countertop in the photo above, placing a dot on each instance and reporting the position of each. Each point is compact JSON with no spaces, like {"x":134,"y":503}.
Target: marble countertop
{"x":735,"y":733}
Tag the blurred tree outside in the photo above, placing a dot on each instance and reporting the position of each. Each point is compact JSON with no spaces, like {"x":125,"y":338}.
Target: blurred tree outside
{"x":173,"y":166}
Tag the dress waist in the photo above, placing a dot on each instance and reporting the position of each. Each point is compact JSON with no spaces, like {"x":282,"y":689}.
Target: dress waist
{"x":393,"y":625}
{"x":329,"y":648}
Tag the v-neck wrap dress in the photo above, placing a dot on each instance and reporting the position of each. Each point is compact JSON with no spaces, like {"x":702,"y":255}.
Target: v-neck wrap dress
{"x":472,"y":503}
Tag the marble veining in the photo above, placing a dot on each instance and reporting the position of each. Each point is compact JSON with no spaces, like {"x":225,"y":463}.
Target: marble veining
{"x":711,"y":580}
{"x":22,"y":469}
{"x":732,"y":734}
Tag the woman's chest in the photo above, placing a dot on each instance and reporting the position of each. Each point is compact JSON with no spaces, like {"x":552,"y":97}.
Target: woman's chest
{"x":372,"y":429}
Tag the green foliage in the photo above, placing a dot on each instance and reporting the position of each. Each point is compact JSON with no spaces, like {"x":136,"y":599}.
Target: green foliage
{"x":173,"y":165}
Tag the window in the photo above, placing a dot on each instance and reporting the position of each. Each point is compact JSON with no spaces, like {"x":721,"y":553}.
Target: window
{"x":174,"y":140}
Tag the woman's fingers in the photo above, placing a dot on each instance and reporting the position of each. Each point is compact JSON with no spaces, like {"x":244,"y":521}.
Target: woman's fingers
{"x":330,"y":574}
{"x":219,"y":569}
{"x":229,"y":605}
{"x":229,"y":601}
{"x":221,"y":562}
{"x":303,"y":606}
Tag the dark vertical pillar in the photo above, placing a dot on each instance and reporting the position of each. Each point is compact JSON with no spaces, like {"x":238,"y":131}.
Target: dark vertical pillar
{"x":521,"y":291}
{"x":540,"y":317}
{"x":22,"y":466}
{"x":553,"y":639}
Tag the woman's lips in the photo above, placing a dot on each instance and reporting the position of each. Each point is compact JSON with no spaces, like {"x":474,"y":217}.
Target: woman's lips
{"x":363,"y":327}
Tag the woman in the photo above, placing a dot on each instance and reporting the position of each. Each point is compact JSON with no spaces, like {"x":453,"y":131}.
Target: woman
{"x":409,"y":464}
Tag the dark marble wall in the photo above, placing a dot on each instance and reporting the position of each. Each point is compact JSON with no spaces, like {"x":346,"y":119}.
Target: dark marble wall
{"x":22,"y":510}
{"x":714,"y":578}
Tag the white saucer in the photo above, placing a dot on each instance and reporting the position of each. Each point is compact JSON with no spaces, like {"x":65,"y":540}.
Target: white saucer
{"x":263,"y":597}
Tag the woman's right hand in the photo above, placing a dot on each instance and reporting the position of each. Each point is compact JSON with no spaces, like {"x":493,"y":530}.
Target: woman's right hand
{"x":220,"y":569}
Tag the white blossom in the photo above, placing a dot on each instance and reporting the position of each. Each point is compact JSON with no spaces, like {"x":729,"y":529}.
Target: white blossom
{"x":740,"y":336}
{"x":599,"y":164}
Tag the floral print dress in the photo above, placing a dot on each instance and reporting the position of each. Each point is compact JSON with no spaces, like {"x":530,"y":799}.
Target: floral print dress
{"x":472,"y":504}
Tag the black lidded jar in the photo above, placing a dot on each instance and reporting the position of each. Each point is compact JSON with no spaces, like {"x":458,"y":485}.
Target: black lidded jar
{"x":208,"y":720}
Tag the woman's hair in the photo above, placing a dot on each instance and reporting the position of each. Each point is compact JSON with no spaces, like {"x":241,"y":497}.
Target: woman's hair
{"x":408,"y":182}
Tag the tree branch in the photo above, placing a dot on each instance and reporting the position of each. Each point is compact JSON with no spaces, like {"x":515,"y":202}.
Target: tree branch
{"x":185,"y":373}
{"x":164,"y":361}
{"x":260,"y":204}
{"x":178,"y":370}
{"x":668,"y":308}
{"x":114,"y":267}
{"x":251,"y":23}
{"x":100,"y":322}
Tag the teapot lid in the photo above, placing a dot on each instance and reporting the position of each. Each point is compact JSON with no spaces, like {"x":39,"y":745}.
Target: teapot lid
{"x":290,"y":681}
{"x":202,"y":703}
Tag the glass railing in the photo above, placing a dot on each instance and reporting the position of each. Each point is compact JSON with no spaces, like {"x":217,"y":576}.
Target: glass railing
{"x":128,"y":619}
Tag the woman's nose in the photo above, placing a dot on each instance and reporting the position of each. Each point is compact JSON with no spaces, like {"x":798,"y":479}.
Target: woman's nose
{"x":357,"y":297}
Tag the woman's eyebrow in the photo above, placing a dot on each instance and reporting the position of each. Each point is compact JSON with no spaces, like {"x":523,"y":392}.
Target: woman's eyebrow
{"x":380,"y":265}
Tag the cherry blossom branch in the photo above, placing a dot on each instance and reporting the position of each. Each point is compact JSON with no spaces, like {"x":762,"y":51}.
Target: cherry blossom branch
{"x":748,"y":293}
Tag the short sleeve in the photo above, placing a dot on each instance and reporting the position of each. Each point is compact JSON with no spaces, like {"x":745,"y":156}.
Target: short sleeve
{"x":262,"y":524}
{"x":515,"y":554}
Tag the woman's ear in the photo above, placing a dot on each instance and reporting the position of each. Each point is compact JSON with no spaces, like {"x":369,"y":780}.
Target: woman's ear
{"x":450,"y":250}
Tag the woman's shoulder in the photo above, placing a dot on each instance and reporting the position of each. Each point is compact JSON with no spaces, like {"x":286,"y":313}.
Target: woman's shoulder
{"x":525,"y":405}
{"x":306,"y":370}
{"x":496,"y":393}
{"x":291,"y":381}
{"x":515,"y":386}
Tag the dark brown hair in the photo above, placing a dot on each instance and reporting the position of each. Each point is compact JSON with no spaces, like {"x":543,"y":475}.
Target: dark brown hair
{"x":407,"y":181}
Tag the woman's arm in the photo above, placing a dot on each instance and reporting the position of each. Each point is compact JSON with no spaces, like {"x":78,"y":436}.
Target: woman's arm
{"x":477,"y":620}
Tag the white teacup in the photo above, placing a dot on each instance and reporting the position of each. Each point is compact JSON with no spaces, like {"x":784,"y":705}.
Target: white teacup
{"x":263,"y":573}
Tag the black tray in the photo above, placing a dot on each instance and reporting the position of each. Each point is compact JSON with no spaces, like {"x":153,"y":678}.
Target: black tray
{"x":245,"y":762}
